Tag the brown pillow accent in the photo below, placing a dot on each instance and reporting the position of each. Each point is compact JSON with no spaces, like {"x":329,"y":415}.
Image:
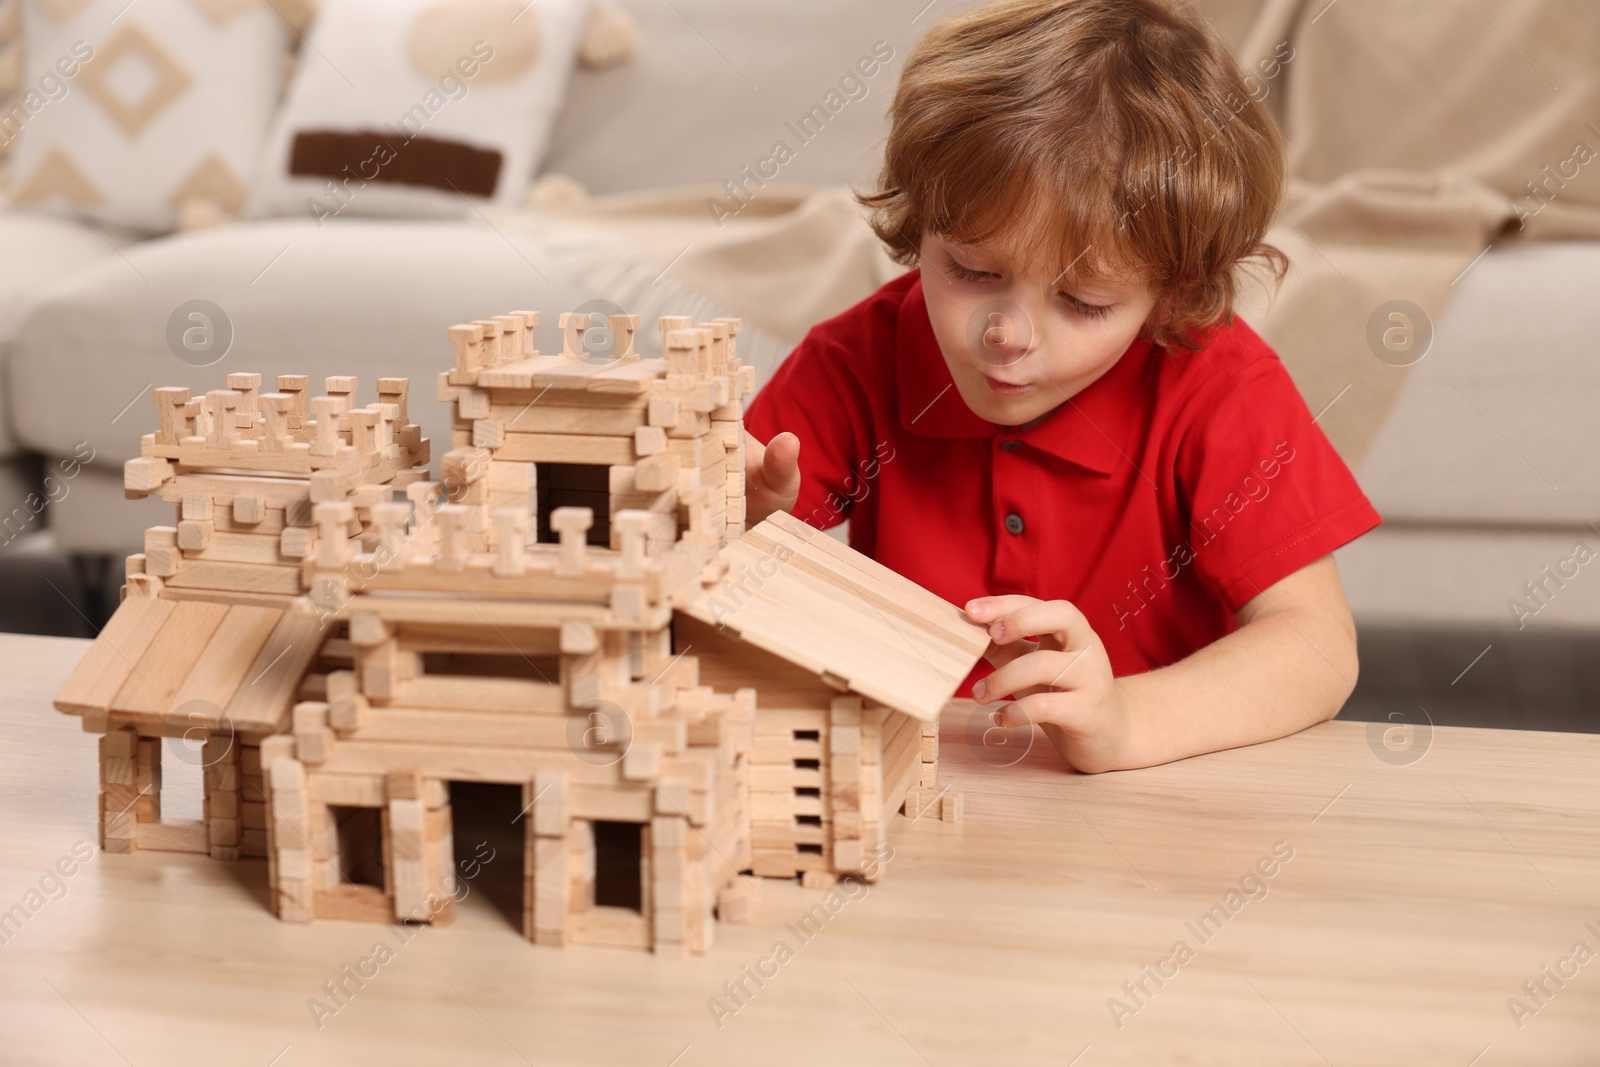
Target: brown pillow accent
{"x":379,"y":156}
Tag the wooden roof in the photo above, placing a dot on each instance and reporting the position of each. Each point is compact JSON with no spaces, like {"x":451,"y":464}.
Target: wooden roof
{"x":194,"y":663}
{"x":798,"y":593}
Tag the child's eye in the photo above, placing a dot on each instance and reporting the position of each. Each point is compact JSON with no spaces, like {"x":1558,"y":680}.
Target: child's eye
{"x":1093,"y":311}
{"x":967,"y":274}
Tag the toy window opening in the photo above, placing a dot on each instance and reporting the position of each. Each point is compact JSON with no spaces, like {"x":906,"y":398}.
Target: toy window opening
{"x":583,"y":485}
{"x":534,"y":668}
{"x":360,"y":833}
{"x":619,"y":865}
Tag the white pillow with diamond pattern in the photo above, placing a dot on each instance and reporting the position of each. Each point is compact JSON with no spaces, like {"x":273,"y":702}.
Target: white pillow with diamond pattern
{"x":418,"y":107}
{"x":166,"y":114}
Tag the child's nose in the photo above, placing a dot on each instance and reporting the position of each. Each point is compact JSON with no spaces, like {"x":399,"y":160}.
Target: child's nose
{"x":998,"y":335}
{"x":1007,"y":335}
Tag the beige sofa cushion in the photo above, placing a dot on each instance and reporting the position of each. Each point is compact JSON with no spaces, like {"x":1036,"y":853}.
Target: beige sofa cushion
{"x":1504,"y":578}
{"x":361,"y":297}
{"x":40,"y":251}
{"x":1497,"y":423}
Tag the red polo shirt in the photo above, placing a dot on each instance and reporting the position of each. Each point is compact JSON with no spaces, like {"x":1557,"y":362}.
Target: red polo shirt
{"x":1159,"y":499}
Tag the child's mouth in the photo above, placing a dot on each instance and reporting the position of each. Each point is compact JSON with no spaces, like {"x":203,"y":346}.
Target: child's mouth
{"x":1006,"y":388}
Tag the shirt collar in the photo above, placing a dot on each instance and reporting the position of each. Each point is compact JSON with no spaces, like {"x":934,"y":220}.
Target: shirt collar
{"x":1090,"y":429}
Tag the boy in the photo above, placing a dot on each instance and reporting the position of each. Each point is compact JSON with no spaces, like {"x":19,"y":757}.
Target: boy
{"x":1055,"y":420}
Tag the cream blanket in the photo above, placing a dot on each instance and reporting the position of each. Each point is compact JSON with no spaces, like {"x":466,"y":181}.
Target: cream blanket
{"x":1421,"y":132}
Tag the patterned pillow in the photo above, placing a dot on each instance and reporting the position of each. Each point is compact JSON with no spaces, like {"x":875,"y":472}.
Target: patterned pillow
{"x":132,"y":113}
{"x":10,"y":72}
{"x":418,"y":107}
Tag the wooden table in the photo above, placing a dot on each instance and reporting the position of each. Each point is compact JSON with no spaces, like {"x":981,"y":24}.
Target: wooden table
{"x":1419,"y":898}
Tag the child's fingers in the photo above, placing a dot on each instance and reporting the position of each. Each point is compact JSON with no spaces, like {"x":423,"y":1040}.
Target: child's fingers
{"x":987,"y":609}
{"x":1045,"y":669}
{"x":771,"y":474}
{"x":780,"y":465}
{"x":1014,"y":617}
{"x":1000,"y":655}
{"x":1064,"y":711}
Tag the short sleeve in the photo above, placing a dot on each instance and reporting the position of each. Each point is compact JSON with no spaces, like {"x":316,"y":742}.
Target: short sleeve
{"x":817,"y":395}
{"x":1265,"y":491}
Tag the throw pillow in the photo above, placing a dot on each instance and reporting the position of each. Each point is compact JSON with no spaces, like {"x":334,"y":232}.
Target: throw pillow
{"x":418,"y":107}
{"x":129,"y":113}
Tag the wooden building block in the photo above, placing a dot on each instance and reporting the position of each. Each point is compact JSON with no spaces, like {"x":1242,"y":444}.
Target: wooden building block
{"x":952,"y":807}
{"x":818,"y":879}
{"x":196,"y":507}
{"x":578,"y":636}
{"x":367,"y":629}
{"x":655,"y":473}
{"x":581,"y":677}
{"x":249,"y":509}
{"x":649,"y":440}
{"x":642,"y":763}
{"x":407,"y":874}
{"x":663,"y":412}
{"x":296,"y":542}
{"x":572,"y":524}
{"x":194,"y":535}
{"x":550,"y":890}
{"x":403,"y":783}
{"x":313,"y":741}
{"x":145,"y":474}
{"x":547,"y":798}
{"x":511,"y":541}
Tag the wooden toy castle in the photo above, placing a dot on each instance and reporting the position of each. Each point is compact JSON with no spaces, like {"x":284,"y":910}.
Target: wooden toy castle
{"x":574,"y":607}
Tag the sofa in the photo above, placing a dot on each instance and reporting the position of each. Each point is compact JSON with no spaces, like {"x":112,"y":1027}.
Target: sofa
{"x":1477,"y":456}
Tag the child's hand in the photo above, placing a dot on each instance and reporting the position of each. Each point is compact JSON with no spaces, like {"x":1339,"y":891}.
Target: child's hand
{"x":771,"y":476}
{"x":1063,"y":681}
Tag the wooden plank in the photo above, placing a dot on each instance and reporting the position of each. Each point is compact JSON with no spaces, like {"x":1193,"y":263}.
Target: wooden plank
{"x":263,"y":699}
{"x":276,"y":601}
{"x":940,"y":629}
{"x":610,"y":378}
{"x":537,"y":582}
{"x":484,"y":611}
{"x":508,"y":729}
{"x":249,"y":547}
{"x":553,"y":415}
{"x":500,"y":697}
{"x":229,"y":653}
{"x":240,"y":577}
{"x":811,"y":592}
{"x":366,"y":790}
{"x":464,"y":763}
{"x":482,"y":639}
{"x":272,"y":522}
{"x":181,"y":835}
{"x":621,"y":803}
{"x":167,"y":660}
{"x":903,"y":747}
{"x":110,"y":661}
{"x":223,"y":488}
{"x":832,"y":639}
{"x":916,"y":603}
{"x":567,"y":448}
{"x":404,"y":851}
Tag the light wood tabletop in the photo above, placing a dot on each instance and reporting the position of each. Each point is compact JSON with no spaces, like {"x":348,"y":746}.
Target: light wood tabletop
{"x":1334,"y":898}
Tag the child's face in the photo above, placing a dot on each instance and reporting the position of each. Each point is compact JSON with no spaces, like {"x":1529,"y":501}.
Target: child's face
{"x":1018,"y":341}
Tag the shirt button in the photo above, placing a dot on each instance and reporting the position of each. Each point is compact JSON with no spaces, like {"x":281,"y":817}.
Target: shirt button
{"x":1010,"y":446}
{"x":1014,"y":523}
